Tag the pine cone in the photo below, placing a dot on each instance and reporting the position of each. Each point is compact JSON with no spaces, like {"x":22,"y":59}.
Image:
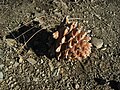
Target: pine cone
{"x":72,"y":41}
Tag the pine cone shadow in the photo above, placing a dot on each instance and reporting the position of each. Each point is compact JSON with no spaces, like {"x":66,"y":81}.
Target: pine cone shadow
{"x":39,"y":43}
{"x":112,"y":83}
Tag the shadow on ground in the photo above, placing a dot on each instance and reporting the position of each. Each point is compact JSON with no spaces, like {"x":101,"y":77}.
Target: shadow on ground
{"x":34,"y":37}
{"x":112,"y":83}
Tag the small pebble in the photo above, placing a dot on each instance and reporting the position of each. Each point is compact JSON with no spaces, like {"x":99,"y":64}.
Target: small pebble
{"x":20,"y":59}
{"x":28,"y":79}
{"x":51,"y":66}
{"x":103,"y":49}
{"x":77,"y":86}
{"x":16,"y":64}
{"x":35,"y":79}
{"x":55,"y":72}
{"x":31,"y":60}
{"x":17,"y":87}
{"x":64,"y":5}
{"x":30,"y":52}
{"x":42,"y":61}
{"x":1,"y":53}
{"x":6,"y":69}
{"x":1,"y":66}
{"x":1,"y":76}
{"x":58,"y":71}
{"x":98,"y":43}
{"x":11,"y":42}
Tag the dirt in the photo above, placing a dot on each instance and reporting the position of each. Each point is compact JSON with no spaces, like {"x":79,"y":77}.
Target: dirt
{"x":100,"y":71}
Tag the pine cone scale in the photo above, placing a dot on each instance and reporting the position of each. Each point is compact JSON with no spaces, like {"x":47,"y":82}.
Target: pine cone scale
{"x":72,"y":42}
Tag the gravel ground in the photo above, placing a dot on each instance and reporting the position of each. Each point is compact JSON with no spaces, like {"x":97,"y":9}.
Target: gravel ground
{"x":33,"y":69}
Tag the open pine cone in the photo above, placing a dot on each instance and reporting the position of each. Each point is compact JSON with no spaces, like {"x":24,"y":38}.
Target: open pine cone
{"x":72,"y":42}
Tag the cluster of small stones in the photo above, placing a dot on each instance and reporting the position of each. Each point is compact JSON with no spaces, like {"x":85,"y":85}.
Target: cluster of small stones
{"x":72,"y":41}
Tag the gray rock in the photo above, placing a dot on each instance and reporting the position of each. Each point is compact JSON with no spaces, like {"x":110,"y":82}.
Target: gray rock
{"x":98,"y":43}
{"x":1,"y":76}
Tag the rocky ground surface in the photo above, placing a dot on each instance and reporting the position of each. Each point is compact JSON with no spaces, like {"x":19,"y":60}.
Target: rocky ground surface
{"x":34,"y":70}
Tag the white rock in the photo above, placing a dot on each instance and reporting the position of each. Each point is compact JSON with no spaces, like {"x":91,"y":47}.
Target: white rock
{"x":20,"y":59}
{"x":11,"y":42}
{"x":51,"y":66}
{"x":16,"y":64}
{"x":77,"y":86}
{"x":98,"y":43}
{"x":31,"y":60}
{"x":1,"y":66}
{"x":1,"y":76}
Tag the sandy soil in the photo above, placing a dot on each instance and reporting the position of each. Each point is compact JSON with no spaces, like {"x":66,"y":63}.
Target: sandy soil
{"x":33,"y":69}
